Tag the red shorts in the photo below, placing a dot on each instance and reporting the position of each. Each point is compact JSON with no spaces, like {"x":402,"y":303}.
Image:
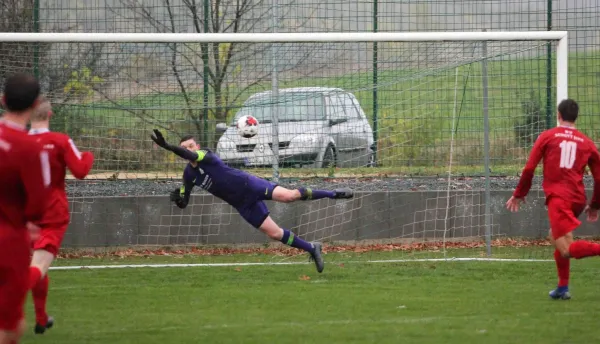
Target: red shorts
{"x":14,"y":279}
{"x":563,"y":216}
{"x":50,"y":239}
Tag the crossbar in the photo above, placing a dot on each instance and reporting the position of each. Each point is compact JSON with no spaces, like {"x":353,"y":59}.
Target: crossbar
{"x":73,"y":37}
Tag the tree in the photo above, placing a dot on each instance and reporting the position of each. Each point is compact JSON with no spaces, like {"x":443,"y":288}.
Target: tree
{"x":63,"y":69}
{"x":231,"y":69}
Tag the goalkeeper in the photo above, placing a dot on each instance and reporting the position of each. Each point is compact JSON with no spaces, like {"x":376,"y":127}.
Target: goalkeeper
{"x":243,"y":191}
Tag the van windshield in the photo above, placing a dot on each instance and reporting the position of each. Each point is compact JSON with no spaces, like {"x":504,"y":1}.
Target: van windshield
{"x":293,"y":107}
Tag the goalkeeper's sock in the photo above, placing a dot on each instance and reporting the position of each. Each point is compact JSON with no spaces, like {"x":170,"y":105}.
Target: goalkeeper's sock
{"x":40,"y":295}
{"x":563,"y":266}
{"x":581,"y":249}
{"x":35,"y":275}
{"x":307,"y":194}
{"x":292,"y":240}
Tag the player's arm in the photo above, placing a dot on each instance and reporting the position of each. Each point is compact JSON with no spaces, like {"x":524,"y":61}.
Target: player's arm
{"x":181,"y":196}
{"x":36,"y":176}
{"x":79,"y":163}
{"x":537,"y":152}
{"x":184,"y":153}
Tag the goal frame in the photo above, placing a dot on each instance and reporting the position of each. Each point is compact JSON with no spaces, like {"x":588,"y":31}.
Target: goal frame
{"x":561,"y":69}
{"x":562,"y":48}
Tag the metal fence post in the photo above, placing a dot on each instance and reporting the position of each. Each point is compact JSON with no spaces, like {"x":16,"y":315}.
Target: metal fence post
{"x":275,"y":96}
{"x":205,"y":72}
{"x":549,"y":104}
{"x":375,"y":84}
{"x":486,"y":149}
{"x":36,"y":46}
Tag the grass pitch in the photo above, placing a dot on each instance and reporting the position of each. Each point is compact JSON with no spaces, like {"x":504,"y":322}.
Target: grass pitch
{"x":432,"y":302}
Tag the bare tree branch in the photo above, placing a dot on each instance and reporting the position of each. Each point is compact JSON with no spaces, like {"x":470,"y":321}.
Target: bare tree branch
{"x":230,"y":69}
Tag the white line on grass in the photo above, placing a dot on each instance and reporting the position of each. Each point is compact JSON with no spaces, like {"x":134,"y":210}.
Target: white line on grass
{"x":116,"y":266}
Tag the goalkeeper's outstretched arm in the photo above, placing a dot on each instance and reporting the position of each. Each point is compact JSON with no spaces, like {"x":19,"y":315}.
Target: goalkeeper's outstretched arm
{"x":180,"y":151}
{"x":181,"y":196}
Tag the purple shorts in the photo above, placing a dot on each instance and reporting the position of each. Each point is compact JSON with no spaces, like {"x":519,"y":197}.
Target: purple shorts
{"x":253,"y":209}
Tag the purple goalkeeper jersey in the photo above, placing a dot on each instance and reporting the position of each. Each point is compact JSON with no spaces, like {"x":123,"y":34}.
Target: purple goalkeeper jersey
{"x":233,"y":186}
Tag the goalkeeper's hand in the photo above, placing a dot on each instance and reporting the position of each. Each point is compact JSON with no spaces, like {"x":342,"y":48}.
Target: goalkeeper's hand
{"x":159,"y":139}
{"x":177,"y":199}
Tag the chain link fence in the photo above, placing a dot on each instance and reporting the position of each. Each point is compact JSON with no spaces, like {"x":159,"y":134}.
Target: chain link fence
{"x":109,"y":96}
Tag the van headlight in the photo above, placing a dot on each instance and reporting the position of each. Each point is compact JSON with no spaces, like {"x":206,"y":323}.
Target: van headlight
{"x":304,"y":141}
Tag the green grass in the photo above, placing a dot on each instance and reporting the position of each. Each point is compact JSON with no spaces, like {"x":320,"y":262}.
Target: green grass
{"x":183,"y":256}
{"x":447,"y":302}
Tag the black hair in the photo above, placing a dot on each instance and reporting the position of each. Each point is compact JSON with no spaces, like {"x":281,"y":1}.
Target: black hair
{"x":20,"y":92}
{"x":569,"y":110}
{"x":187,"y":137}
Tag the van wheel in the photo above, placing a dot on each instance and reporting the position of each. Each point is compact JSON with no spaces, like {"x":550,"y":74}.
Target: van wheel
{"x":329,"y":157}
{"x":372,"y":162}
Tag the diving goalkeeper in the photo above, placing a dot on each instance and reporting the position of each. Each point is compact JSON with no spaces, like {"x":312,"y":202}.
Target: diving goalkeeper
{"x":243,"y":191}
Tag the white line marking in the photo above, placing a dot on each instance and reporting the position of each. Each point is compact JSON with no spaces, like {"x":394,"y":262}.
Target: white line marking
{"x":85,"y":267}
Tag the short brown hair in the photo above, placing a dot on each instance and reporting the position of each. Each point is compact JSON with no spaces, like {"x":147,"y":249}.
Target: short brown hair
{"x":43,"y":111}
{"x":20,"y":92}
{"x":569,"y":110}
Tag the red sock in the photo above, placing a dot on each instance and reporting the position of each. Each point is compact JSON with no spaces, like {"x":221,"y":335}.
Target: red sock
{"x":563,"y":266}
{"x":40,"y":294}
{"x":34,"y":276}
{"x":581,"y":249}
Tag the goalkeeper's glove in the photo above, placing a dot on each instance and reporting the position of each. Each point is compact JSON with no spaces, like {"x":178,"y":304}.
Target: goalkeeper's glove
{"x":177,"y":199}
{"x":159,"y":139}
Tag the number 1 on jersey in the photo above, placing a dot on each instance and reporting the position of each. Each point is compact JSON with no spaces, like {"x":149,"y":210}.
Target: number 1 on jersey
{"x":568,"y":151}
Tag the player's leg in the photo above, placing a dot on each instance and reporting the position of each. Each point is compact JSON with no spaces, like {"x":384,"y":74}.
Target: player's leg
{"x":257,"y":214}
{"x":563,"y":266}
{"x":45,"y":249}
{"x":281,"y":194}
{"x":14,"y":262}
{"x":39,"y":283}
{"x":563,"y":221}
{"x":270,"y":228}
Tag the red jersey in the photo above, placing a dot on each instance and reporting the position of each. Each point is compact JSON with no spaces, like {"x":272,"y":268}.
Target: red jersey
{"x":566,"y":153}
{"x":63,"y":154}
{"x":24,"y":178}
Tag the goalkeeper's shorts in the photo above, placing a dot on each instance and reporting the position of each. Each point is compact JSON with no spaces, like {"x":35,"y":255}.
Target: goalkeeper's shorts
{"x":255,"y":213}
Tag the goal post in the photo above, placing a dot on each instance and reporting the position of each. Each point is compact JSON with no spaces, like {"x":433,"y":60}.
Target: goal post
{"x":425,"y":196}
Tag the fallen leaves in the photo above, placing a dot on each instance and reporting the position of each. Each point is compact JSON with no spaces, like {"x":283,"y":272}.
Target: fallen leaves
{"x":285,"y":251}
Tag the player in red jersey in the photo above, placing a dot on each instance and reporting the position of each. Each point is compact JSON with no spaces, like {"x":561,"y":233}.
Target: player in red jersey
{"x":63,"y":154}
{"x":566,"y":153}
{"x":24,"y":179}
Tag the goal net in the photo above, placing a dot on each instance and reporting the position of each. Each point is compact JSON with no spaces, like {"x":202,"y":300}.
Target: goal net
{"x":430,"y":130}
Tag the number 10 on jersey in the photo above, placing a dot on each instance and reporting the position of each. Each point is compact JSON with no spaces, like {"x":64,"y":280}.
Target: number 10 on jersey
{"x":568,"y":151}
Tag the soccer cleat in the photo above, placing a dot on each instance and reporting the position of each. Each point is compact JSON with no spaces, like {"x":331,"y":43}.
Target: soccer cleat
{"x":343,"y":193}
{"x":317,"y":257}
{"x":40,"y":329}
{"x":560,"y":294}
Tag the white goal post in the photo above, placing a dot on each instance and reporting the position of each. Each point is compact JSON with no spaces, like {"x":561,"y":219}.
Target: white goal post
{"x":435,"y":80}
{"x":562,"y":48}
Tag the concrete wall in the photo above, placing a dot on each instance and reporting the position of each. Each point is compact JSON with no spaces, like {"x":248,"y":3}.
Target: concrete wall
{"x":152,"y":220}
